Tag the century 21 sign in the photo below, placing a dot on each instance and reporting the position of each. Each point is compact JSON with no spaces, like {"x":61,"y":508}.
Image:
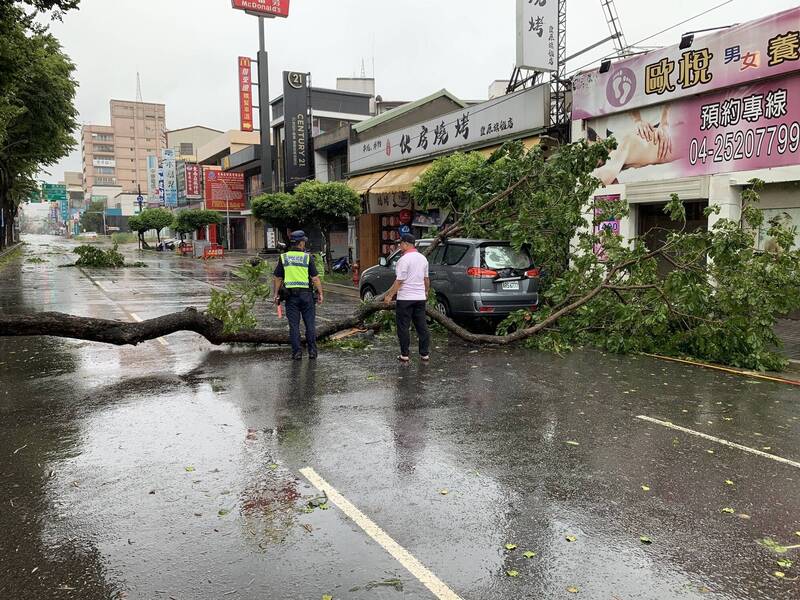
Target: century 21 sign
{"x":270,"y":8}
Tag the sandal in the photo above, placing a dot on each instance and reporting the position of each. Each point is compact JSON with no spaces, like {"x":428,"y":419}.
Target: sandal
{"x":426,"y":358}
{"x":403,"y":359}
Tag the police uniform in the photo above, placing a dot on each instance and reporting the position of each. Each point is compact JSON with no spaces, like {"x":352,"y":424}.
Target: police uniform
{"x":297,"y":268}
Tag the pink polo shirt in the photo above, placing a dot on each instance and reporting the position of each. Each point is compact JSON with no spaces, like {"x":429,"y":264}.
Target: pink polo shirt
{"x":412,"y":269}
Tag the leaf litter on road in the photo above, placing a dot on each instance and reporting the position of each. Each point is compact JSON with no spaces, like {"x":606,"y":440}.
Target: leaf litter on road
{"x":528,"y":554}
{"x":512,"y":573}
{"x":510,"y":547}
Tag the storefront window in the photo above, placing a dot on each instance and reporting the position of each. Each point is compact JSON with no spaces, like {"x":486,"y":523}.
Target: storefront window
{"x":787,"y":216}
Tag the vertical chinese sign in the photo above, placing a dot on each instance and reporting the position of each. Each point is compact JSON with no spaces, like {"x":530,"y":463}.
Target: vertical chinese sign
{"x":170,"y":178}
{"x":537,"y":34}
{"x":152,"y":181}
{"x":245,"y":94}
{"x":296,"y":112}
{"x":193,"y":187}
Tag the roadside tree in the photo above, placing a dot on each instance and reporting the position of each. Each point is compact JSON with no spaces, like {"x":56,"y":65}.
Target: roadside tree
{"x":190,"y":220}
{"x":158,"y":219}
{"x":92,"y":218}
{"x":280,"y":210}
{"x":138,"y":224}
{"x":325,"y":205}
{"x":37,"y":112}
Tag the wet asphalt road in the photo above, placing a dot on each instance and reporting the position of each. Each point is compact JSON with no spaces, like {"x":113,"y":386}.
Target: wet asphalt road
{"x":172,"y":470}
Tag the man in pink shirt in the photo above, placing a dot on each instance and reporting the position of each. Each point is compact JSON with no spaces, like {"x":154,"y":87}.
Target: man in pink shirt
{"x":411,"y":288}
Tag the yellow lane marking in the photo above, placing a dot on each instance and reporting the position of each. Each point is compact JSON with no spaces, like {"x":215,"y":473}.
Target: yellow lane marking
{"x":711,"y":438}
{"x":437,"y":587}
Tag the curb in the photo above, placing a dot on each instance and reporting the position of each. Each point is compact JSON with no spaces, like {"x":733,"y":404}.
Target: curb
{"x":343,"y":290}
{"x":10,"y":249}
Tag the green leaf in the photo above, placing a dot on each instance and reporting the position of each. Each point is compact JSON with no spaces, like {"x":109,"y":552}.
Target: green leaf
{"x":572,"y":443}
{"x":729,"y":482}
{"x":327,"y":597}
{"x":571,"y":538}
{"x":573,"y":590}
{"x":646,"y":488}
{"x":528,"y":554}
{"x":645,"y":540}
{"x":189,"y":469}
{"x":223,"y":512}
{"x":512,"y":573}
{"x":785,"y":563}
{"x":779,"y":574}
{"x":729,"y":511}
{"x":511,"y":546}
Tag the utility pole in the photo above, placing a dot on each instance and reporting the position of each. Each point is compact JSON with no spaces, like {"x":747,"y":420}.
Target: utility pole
{"x":264,"y":110}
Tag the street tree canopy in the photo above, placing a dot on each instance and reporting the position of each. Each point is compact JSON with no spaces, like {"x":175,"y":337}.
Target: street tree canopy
{"x":190,"y":220}
{"x":37,"y":112}
{"x":325,"y":205}
{"x":156,"y":218}
{"x":281,"y":210}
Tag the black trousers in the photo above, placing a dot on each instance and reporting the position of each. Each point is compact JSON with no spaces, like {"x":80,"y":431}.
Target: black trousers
{"x":409,"y":311}
{"x":302,"y":304}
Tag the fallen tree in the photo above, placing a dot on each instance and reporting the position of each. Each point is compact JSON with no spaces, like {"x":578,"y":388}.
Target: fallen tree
{"x":719,"y":300}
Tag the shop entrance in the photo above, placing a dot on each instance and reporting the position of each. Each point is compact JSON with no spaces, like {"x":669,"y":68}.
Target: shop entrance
{"x":654,"y":225}
{"x":237,"y":233}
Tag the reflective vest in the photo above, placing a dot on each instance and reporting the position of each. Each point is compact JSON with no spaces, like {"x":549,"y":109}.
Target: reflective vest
{"x":295,"y":270}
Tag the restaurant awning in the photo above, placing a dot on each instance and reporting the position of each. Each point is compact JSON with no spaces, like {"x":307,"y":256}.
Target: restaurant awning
{"x":400,"y":180}
{"x":362,"y":184}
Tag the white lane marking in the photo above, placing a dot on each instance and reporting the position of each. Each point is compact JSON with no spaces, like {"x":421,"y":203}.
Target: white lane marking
{"x":138,"y":319}
{"x":102,"y":287}
{"x":711,"y":438}
{"x":416,"y":568}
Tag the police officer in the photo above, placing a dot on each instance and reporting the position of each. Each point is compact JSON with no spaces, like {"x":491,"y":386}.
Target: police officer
{"x":295,"y":273}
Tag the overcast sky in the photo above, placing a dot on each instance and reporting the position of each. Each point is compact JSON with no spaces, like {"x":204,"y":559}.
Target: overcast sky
{"x":186,"y":50}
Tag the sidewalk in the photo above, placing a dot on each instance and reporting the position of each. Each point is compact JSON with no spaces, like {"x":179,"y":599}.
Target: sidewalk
{"x":789,"y":332}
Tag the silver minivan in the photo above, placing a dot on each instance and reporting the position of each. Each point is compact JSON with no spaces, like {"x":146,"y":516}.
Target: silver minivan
{"x":471,"y":278}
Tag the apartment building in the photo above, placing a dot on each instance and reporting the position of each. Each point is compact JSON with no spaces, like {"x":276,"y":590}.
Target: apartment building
{"x":116,"y":154}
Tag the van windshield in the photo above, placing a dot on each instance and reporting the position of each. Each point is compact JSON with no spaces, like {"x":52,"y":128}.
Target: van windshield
{"x":505,"y":257}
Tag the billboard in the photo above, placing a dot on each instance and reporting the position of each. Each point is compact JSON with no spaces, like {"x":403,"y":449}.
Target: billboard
{"x":537,"y":34}
{"x":161,"y":186}
{"x":756,"y":50}
{"x":152,"y":180}
{"x":245,"y":94}
{"x":268,"y":8}
{"x":193,"y":187}
{"x":296,"y":112}
{"x":749,"y":127}
{"x":491,"y":122}
{"x":224,"y":190}
{"x":170,"y":170}
{"x":180,"y":172}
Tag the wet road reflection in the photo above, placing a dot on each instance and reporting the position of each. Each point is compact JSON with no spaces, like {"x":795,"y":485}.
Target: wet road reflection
{"x":153,"y":472}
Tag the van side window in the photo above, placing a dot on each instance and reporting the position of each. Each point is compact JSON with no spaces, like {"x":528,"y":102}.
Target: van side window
{"x":436,"y":257}
{"x":454,"y":253}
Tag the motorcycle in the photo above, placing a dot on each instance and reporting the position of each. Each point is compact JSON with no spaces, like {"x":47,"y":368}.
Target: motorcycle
{"x":341,"y":265}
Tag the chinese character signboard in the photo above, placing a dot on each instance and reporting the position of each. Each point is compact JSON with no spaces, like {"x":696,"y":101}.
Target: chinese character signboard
{"x":268,"y":8}
{"x":180,"y":171}
{"x":245,"y":94}
{"x":193,"y":188}
{"x":756,"y":50}
{"x":224,"y":190}
{"x":152,"y":181}
{"x":506,"y":117}
{"x":161,"y":196}
{"x":537,"y":34}
{"x":169,"y":168}
{"x":54,"y":192}
{"x":296,"y":112}
{"x":738,"y":129}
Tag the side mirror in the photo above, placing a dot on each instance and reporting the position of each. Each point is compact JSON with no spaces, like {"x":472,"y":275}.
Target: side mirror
{"x":383,"y":262}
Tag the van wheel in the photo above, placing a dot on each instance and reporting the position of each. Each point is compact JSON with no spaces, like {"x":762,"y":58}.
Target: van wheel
{"x":442,"y":306}
{"x":367,"y":293}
